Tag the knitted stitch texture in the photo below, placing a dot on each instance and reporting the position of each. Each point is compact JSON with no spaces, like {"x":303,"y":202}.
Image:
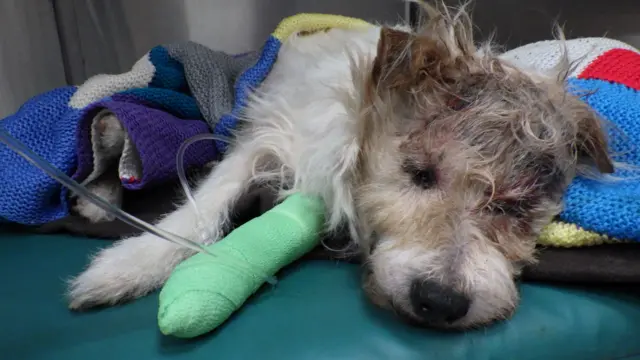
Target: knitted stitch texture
{"x":57,"y":125}
{"x":155,"y":105}
{"x":47,"y":125}
{"x":565,"y":235}
{"x":157,"y":136}
{"x":211,"y":76}
{"x":253,"y":77}
{"x":172,"y":93}
{"x":609,"y":71}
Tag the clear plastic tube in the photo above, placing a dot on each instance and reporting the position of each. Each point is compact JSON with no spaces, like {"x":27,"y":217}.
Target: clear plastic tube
{"x":187,"y":190}
{"x":185,"y":183}
{"x":76,"y":188}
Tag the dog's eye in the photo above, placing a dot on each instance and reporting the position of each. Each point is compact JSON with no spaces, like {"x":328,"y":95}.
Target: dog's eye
{"x":424,"y":177}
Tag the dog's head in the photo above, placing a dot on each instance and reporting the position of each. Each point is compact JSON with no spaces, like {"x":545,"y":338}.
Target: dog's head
{"x":464,"y":159}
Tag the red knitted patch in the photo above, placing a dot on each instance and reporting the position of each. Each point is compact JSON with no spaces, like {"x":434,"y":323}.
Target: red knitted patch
{"x":617,"y":65}
{"x":129,"y":180}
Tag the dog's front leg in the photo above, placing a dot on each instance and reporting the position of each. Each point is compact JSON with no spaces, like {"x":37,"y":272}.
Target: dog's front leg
{"x":133,"y":267}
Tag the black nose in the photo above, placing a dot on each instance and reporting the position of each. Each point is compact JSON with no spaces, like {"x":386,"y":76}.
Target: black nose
{"x":437,"y":304}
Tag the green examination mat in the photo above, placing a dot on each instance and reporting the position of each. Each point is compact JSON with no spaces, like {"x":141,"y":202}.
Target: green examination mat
{"x":317,"y":311}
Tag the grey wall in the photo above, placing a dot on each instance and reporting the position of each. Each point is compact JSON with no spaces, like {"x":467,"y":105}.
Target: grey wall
{"x":522,"y":21}
{"x":234,"y":25}
{"x":108,"y":36}
{"x":30,"y":60}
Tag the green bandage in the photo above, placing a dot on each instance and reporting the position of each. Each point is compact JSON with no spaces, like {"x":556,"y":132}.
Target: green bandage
{"x":203,"y":291}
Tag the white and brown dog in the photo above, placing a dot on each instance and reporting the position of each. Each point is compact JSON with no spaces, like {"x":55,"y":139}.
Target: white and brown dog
{"x":442,"y":160}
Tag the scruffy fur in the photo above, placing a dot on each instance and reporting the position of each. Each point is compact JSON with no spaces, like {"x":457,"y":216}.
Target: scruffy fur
{"x":441,"y":160}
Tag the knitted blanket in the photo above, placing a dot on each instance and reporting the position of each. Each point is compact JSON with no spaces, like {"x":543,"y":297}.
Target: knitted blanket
{"x":598,"y":212}
{"x":172,"y":93}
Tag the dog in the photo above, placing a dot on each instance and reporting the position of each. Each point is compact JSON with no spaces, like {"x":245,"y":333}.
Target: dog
{"x":442,"y":161}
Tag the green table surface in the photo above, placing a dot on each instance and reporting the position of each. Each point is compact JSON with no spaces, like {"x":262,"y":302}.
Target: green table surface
{"x":317,"y":311}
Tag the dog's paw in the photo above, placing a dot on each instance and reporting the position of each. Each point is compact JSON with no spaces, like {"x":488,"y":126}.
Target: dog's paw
{"x":92,"y":212}
{"x":110,"y":279}
{"x":94,"y":288}
{"x":91,"y":289}
{"x":110,"y":190}
{"x":129,"y":269}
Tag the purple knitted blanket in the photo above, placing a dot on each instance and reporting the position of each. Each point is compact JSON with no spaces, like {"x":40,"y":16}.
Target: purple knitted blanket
{"x":128,"y":126}
{"x":141,"y":139}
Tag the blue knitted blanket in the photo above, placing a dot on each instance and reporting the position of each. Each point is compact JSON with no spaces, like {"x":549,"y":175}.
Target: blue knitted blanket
{"x":172,"y":93}
{"x":609,"y":71}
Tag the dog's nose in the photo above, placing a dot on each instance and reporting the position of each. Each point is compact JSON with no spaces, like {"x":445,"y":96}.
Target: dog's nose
{"x":437,"y":304}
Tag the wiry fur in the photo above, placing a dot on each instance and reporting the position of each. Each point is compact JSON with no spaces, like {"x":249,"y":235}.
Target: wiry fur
{"x":442,"y":161}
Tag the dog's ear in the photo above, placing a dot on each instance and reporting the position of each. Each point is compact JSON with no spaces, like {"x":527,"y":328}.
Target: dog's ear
{"x":405,"y":60}
{"x":591,"y":141}
{"x":392,"y":61}
{"x":437,"y":53}
{"x":435,"y":57}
